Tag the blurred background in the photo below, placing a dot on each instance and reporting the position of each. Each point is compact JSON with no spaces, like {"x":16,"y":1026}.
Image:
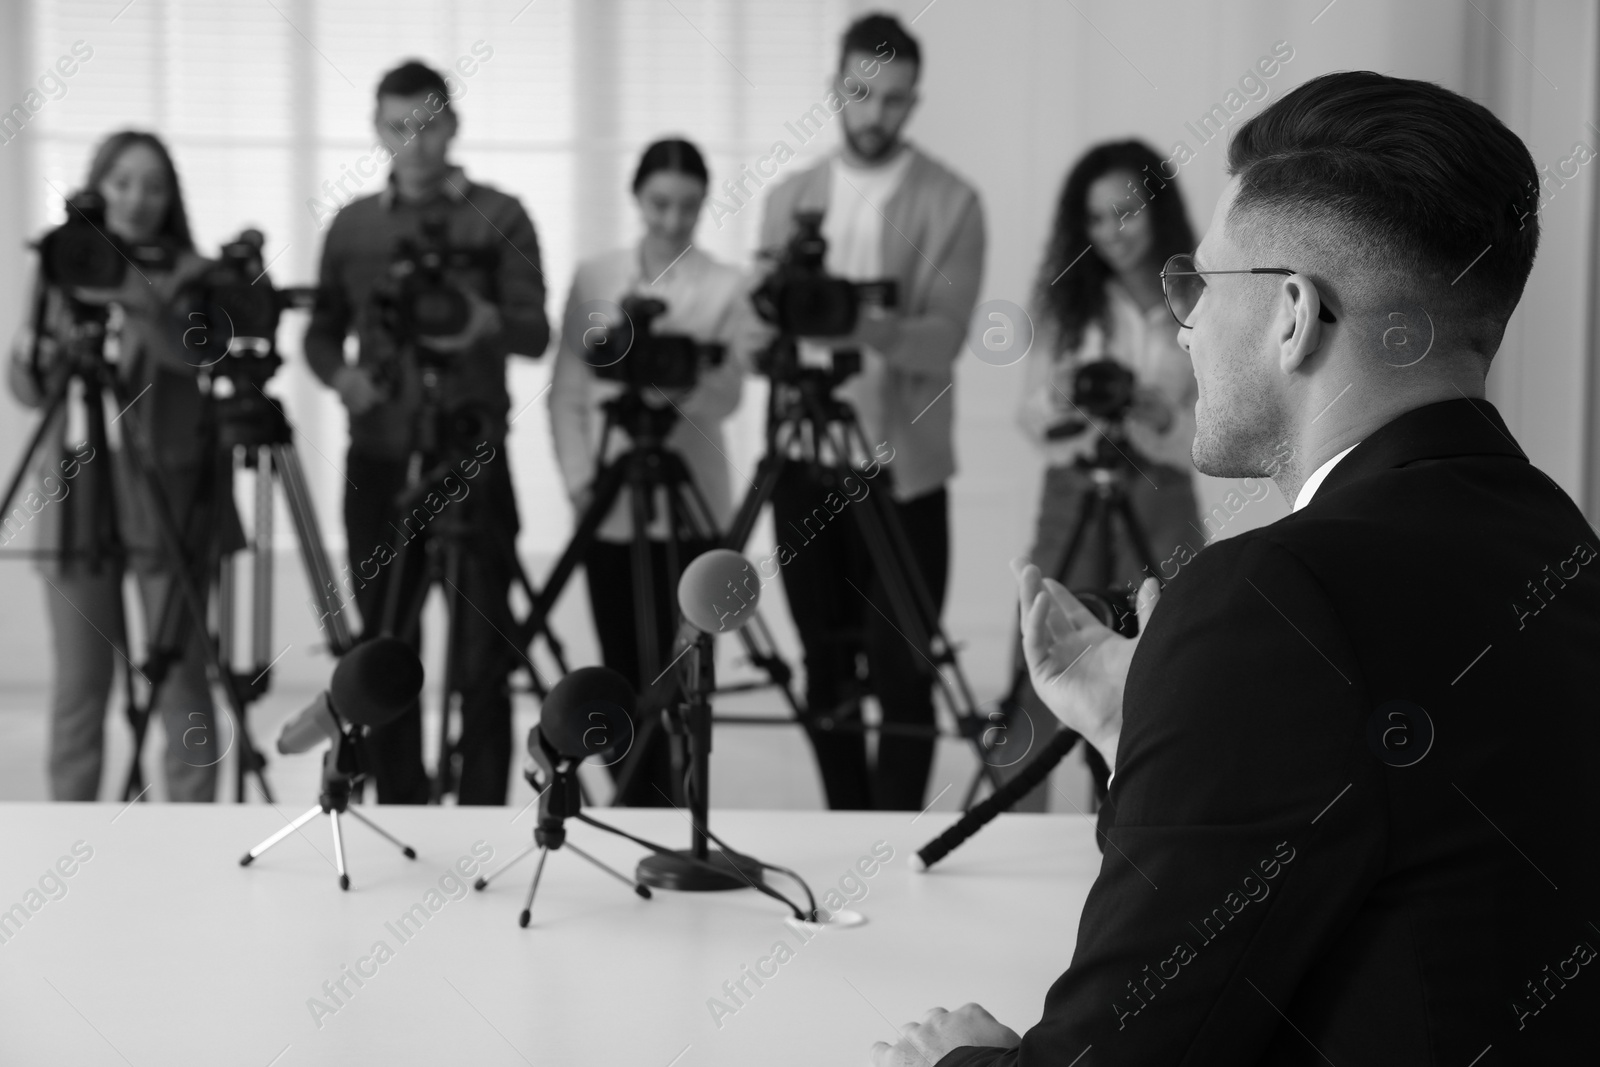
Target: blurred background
{"x":265,"y":101}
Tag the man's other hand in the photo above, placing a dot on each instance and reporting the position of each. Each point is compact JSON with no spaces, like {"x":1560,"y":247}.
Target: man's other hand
{"x":1077,"y":664}
{"x":356,"y":389}
{"x":941,"y":1032}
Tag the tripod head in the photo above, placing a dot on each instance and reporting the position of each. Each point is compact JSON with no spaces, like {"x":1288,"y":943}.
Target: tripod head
{"x":647,"y":425}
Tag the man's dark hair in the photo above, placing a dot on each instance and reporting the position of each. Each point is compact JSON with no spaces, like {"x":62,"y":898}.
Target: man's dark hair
{"x":1407,"y":179}
{"x":870,"y":33}
{"x":413,"y":78}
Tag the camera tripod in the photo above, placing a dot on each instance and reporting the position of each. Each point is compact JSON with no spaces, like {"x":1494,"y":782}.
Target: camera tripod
{"x":244,"y":428}
{"x":806,"y":417}
{"x":342,"y":774}
{"x":649,"y":470}
{"x":1108,"y":468}
{"x":98,"y":378}
{"x":442,"y":442}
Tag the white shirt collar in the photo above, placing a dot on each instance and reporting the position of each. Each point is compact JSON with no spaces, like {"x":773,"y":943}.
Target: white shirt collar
{"x":1309,"y":489}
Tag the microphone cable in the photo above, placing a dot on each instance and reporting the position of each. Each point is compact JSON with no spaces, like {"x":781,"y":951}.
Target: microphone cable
{"x":761,"y":887}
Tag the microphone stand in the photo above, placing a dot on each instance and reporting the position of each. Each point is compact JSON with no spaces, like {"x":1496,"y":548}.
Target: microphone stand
{"x":560,"y":799}
{"x":700,"y":868}
{"x":342,"y":772}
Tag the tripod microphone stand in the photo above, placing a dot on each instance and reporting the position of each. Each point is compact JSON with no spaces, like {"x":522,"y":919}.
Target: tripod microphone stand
{"x":560,"y":799}
{"x":372,"y":685}
{"x":342,"y":773}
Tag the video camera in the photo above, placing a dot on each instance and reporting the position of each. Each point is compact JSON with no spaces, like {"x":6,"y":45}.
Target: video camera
{"x":1101,"y":389}
{"x":420,"y":302}
{"x":801,"y":299}
{"x":82,"y":253}
{"x":234,"y":302}
{"x":631,"y":352}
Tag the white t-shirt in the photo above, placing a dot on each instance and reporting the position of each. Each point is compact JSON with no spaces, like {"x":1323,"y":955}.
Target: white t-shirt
{"x":853,"y":228}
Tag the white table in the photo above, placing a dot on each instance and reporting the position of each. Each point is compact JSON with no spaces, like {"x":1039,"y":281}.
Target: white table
{"x":164,"y":951}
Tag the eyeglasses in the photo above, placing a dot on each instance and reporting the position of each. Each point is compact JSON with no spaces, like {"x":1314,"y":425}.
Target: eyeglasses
{"x":1183,"y":286}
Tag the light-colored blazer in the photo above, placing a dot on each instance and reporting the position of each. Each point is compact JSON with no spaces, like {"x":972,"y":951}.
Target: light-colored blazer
{"x":933,"y":241}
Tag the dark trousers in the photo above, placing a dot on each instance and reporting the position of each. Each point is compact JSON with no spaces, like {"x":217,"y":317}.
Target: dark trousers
{"x":378,"y":536}
{"x":853,"y":643}
{"x":609,"y":569}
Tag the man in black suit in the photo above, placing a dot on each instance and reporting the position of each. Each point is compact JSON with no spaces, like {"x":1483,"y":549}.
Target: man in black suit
{"x":1351,"y":819}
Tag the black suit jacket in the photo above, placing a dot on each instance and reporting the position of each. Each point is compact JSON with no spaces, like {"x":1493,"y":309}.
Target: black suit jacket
{"x":1302,"y":867}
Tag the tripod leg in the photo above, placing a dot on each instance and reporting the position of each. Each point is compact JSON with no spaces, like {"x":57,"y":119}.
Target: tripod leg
{"x":135,"y":443}
{"x":338,"y":849}
{"x":256,"y":853}
{"x":484,"y":880}
{"x":527,"y":905}
{"x":313,"y":554}
{"x":1141,"y":544}
{"x":445,"y":778}
{"x":641,"y":890}
{"x":409,"y":852}
{"x":1089,"y":508}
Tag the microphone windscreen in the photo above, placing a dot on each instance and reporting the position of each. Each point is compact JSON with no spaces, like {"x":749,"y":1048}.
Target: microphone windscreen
{"x":376,"y":681}
{"x":587,"y":713}
{"x":719,"y":591}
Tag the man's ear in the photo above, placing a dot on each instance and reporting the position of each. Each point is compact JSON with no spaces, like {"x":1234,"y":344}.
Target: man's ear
{"x":1300,"y":330}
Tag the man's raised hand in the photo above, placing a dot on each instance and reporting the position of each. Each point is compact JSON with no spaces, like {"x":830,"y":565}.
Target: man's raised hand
{"x":1077,"y":664}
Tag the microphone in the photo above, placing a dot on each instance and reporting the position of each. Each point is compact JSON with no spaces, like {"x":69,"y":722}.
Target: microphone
{"x":586,"y":713}
{"x":979,"y":816}
{"x":719,"y":591}
{"x":372,"y":685}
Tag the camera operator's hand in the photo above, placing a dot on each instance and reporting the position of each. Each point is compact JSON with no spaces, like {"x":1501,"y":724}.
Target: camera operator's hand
{"x":1150,"y":407}
{"x":483,"y":321}
{"x":31,"y":383}
{"x":1078,"y":665}
{"x":356,"y":389}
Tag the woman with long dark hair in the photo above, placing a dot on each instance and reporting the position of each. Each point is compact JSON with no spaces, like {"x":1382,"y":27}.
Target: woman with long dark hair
{"x":705,"y":300}
{"x":1098,"y":297}
{"x":134,"y":175}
